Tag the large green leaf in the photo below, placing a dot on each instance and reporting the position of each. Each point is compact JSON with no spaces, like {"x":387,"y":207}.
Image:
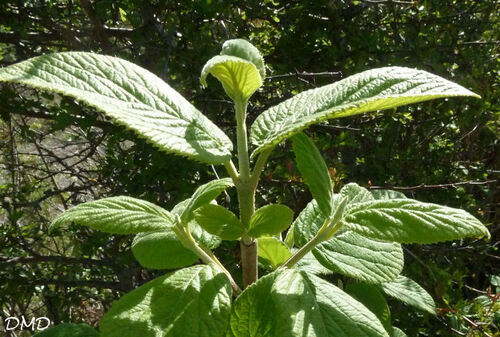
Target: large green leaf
{"x":131,"y":96}
{"x":372,"y":298}
{"x":291,"y":303}
{"x":411,"y":221}
{"x":69,"y":330}
{"x":387,"y":194}
{"x":203,"y":195}
{"x":372,"y":90}
{"x":270,"y":220}
{"x":410,"y":292}
{"x":311,"y":265}
{"x":272,"y":252}
{"x":161,"y":250}
{"x":219,"y":221}
{"x":347,"y":252}
{"x":191,"y":302}
{"x":118,"y":215}
{"x":315,"y":172}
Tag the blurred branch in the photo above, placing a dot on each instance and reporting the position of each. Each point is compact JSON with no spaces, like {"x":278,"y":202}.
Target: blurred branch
{"x":335,"y":74}
{"x":424,"y":186}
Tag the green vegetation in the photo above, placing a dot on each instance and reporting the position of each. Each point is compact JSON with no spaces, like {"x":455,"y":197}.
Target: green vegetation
{"x":59,"y":154}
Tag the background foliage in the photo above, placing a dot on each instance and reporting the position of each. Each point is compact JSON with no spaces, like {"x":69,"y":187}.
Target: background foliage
{"x":56,"y":153}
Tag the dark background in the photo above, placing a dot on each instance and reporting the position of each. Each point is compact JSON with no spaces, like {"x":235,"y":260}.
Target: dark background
{"x":55,"y":153}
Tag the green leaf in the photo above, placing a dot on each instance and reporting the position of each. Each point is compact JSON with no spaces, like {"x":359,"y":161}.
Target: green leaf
{"x":315,"y":172}
{"x":347,"y":252}
{"x":118,"y":215}
{"x":202,"y":236}
{"x":270,"y":220}
{"x":387,"y":194}
{"x":239,"y":77}
{"x":372,"y":298}
{"x":219,"y":221}
{"x":69,"y":330}
{"x":355,"y":193}
{"x":372,"y":90}
{"x":245,"y":50}
{"x":410,"y":292}
{"x":291,"y":303}
{"x":272,"y":252}
{"x":396,"y":332}
{"x":131,"y":96}
{"x":203,"y":195}
{"x":411,"y":221}
{"x":311,"y":265}
{"x":190,"y":302}
{"x":161,"y":250}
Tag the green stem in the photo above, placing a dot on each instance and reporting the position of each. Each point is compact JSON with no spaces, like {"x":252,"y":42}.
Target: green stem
{"x":246,"y":196}
{"x":184,"y":235}
{"x":324,"y":233}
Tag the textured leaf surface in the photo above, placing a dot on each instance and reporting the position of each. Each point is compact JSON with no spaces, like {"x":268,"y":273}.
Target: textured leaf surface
{"x":411,"y":221}
{"x":372,"y":90}
{"x":292,"y":303}
{"x":387,"y":194}
{"x":191,"y":302}
{"x":314,"y":171}
{"x":219,"y":221}
{"x":349,"y":253}
{"x":270,"y":220}
{"x":311,"y":265}
{"x":130,"y":95}
{"x":69,"y":330}
{"x":272,"y":252}
{"x":245,"y":50}
{"x":410,"y":292}
{"x":161,"y":250}
{"x":372,"y":298}
{"x":119,"y":215}
{"x":355,"y":193}
{"x":239,"y":77}
{"x":203,"y":195}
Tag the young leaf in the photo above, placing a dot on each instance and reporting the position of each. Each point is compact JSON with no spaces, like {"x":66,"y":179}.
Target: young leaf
{"x":372,"y":90}
{"x":315,"y":172}
{"x":349,"y":253}
{"x":411,"y":221}
{"x":240,"y":78}
{"x":245,"y":50}
{"x":69,"y":330}
{"x":219,"y":221}
{"x":291,"y":303}
{"x":239,"y":68}
{"x":131,"y":96}
{"x":203,"y":195}
{"x":161,"y":250}
{"x":373,"y":299}
{"x":270,"y":220}
{"x":410,"y":292}
{"x":272,"y":252}
{"x":118,"y":215}
{"x":190,"y":302}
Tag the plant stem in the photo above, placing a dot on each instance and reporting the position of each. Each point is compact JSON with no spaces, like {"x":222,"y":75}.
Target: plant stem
{"x":246,"y":196}
{"x":324,"y":233}
{"x":184,"y":235}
